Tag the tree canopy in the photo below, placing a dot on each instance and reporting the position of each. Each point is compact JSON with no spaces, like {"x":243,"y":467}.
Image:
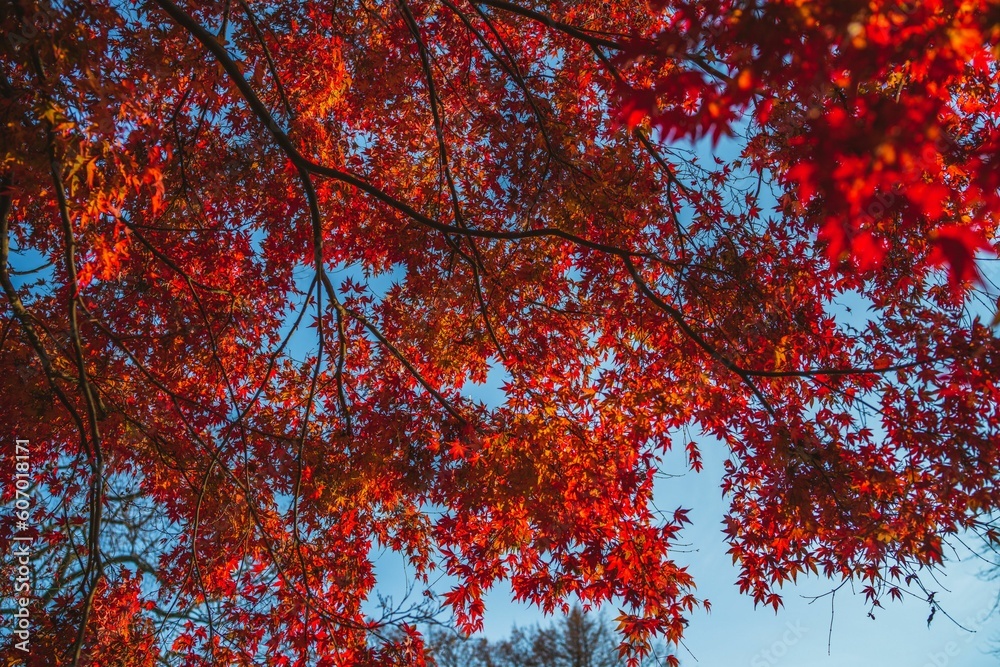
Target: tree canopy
{"x":259,"y":259}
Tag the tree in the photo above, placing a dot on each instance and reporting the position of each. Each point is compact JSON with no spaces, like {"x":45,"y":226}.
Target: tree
{"x":578,"y":640}
{"x":256,"y":258}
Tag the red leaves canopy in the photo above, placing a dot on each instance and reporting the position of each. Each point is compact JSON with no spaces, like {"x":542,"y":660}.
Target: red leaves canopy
{"x":283,"y":243}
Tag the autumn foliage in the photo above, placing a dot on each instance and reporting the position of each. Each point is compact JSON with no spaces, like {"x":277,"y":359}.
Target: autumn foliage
{"x":259,"y":259}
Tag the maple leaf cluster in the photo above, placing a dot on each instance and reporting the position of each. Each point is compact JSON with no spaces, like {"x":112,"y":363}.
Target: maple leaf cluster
{"x":877,"y":117}
{"x":258,"y":259}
